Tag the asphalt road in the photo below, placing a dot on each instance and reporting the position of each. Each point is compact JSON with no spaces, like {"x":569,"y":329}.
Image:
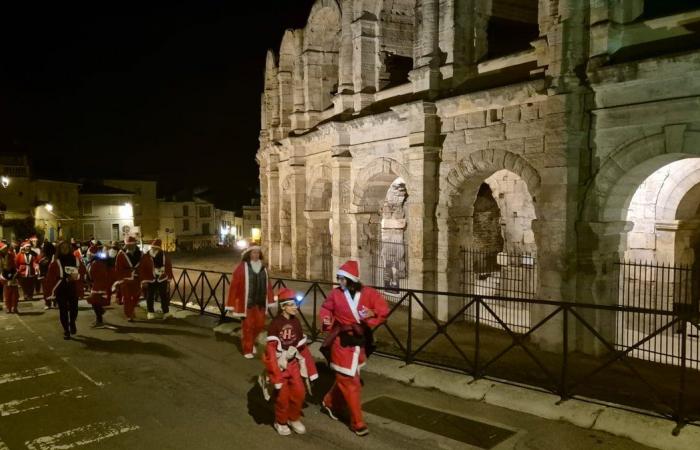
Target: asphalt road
{"x":174,"y":385}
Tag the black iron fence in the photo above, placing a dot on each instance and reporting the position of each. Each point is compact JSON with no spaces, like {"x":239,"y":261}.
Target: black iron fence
{"x":501,"y":274}
{"x":570,"y":349}
{"x":389,"y":267}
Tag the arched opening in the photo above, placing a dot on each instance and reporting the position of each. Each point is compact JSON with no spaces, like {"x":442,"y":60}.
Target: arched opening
{"x":320,"y":55}
{"x":512,"y":25}
{"x":396,"y":42}
{"x":318,"y":231}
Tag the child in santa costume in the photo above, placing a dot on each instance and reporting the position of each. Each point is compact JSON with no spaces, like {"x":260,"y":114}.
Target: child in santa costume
{"x":66,"y":273}
{"x":26,"y":263}
{"x":289,"y":364}
{"x":100,"y":280}
{"x":156,"y":271}
{"x":127,"y":266}
{"x":348,"y":315}
{"x":8,"y":272}
{"x":249,"y":296}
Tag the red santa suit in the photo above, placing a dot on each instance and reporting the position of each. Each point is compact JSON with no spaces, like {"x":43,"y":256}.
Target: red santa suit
{"x":288,"y":362}
{"x":156,"y":271}
{"x":347,"y":321}
{"x":79,"y":284}
{"x":26,"y":263}
{"x":8,"y":272}
{"x":238,"y":301}
{"x":64,"y":276}
{"x":127,"y":275}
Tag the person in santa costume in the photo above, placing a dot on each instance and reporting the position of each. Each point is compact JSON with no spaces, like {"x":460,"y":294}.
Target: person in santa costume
{"x":348,"y":315}
{"x":26,"y":262}
{"x":156,"y":271}
{"x":249,"y":296}
{"x":65,"y":274}
{"x":100,"y":280}
{"x":127,"y":267}
{"x":8,"y":272}
{"x":289,"y":365}
{"x":45,"y":257}
{"x":34,"y":241}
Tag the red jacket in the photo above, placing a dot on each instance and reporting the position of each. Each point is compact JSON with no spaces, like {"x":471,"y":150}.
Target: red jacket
{"x":280,"y":361}
{"x":339,"y":313}
{"x":58,"y":275}
{"x":148,"y":272}
{"x":27,"y":264}
{"x":237,"y":300}
{"x":101,"y":282}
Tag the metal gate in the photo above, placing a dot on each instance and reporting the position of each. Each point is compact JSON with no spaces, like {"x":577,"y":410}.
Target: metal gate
{"x":500,"y":274}
{"x":326,"y":257}
{"x":389,"y":265}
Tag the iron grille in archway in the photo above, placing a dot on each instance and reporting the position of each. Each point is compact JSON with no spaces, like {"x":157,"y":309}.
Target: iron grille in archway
{"x":389,"y":266}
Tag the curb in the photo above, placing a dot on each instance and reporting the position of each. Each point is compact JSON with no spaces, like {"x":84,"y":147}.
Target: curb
{"x":647,"y":430}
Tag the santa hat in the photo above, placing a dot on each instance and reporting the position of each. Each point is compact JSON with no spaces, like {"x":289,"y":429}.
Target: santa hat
{"x":286,"y":295}
{"x":251,"y":248}
{"x":33,"y":237}
{"x":3,"y":246}
{"x":25,"y":244}
{"x":130,"y":240}
{"x":349,"y":270}
{"x":157,"y":243}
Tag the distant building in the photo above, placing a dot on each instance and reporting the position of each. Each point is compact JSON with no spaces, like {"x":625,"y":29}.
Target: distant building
{"x":187,"y":222}
{"x":106,"y":213}
{"x":145,"y":204}
{"x":251,"y":222}
{"x":230,"y":227}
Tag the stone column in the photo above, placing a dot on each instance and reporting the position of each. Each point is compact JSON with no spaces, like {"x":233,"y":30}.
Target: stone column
{"x":297,"y":187}
{"x":313,"y":76}
{"x":264,"y":205}
{"x":365,"y":42}
{"x":360,"y":236}
{"x":340,"y":206}
{"x":344,"y":100}
{"x":273,"y":208}
{"x":286,"y":104}
{"x":426,"y":72}
{"x":297,"y":121}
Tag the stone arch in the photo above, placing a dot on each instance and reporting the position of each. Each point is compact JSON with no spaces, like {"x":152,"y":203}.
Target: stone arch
{"x":380,"y":172}
{"x":319,"y":251}
{"x":287,"y":76}
{"x":320,"y":55}
{"x":455,"y":214}
{"x":319,"y":193}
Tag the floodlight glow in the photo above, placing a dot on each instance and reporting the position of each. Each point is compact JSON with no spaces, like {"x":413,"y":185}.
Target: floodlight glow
{"x":49,"y":207}
{"x":5,"y":181}
{"x":242,"y":244}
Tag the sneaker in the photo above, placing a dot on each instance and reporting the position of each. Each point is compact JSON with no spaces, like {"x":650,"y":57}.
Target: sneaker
{"x":46,"y":307}
{"x":282,"y":430}
{"x":362,"y":431}
{"x":328,"y":411}
{"x":151,"y":316}
{"x":249,"y":356}
{"x":297,"y":426}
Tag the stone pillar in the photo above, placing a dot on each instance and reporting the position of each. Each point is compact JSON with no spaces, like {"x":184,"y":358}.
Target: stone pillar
{"x":457,"y":39}
{"x":273,"y":210}
{"x":316,"y":228}
{"x":297,"y":121}
{"x":313,"y":85}
{"x":365,"y":42}
{"x":340,"y":206}
{"x":297,"y":187}
{"x":426,"y":58}
{"x":286,"y":104}
{"x":344,"y":100}
{"x":264,"y":205}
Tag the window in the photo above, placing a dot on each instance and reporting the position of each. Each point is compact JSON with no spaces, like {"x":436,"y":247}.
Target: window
{"x":87,"y":207}
{"x":88,"y":230}
{"x":205,"y":228}
{"x":204,"y":211}
{"x":185,"y":224}
{"x":185,"y":210}
{"x":115,"y":231}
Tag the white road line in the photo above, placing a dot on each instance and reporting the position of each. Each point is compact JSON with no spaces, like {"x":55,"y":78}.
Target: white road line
{"x":26,"y":374}
{"x":36,"y":402}
{"x":11,"y":340}
{"x":9,"y":327}
{"x":65,"y":359}
{"x":88,"y":434}
{"x":3,"y":446}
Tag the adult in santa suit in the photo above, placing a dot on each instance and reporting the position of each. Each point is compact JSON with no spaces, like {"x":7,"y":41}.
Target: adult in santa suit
{"x":8,"y":279}
{"x":156,"y":271}
{"x":34,"y":241}
{"x":348,"y":315}
{"x":289,"y":364}
{"x":80,"y":284}
{"x":26,"y":262}
{"x":65,"y":273}
{"x":249,"y":296}
{"x":127,"y":266}
{"x":100,"y":281}
{"x":45,"y":257}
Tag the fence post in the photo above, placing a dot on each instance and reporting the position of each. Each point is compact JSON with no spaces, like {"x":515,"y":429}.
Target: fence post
{"x":409,"y":339}
{"x":477,"y":336}
{"x":680,"y":419}
{"x":201,"y":298}
{"x":563,"y":394}
{"x":314,"y":331}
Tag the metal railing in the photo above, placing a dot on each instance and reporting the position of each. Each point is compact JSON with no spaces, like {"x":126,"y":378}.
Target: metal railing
{"x":570,"y":349}
{"x":389,"y":267}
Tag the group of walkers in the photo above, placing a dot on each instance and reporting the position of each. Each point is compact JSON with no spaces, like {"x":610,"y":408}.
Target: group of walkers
{"x":348,"y":315}
{"x":64,"y":274}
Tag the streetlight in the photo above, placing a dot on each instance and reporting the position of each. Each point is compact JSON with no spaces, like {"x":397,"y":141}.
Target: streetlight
{"x":49,"y":207}
{"x":4,"y":181}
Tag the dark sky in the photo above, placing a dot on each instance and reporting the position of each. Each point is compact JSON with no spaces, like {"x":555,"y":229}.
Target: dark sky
{"x":167,"y":90}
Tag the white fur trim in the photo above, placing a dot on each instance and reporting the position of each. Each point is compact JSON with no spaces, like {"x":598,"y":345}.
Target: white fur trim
{"x":353,"y":368}
{"x":278,"y":385}
{"x":313,"y":377}
{"x":342,"y":273}
{"x":353,"y":303}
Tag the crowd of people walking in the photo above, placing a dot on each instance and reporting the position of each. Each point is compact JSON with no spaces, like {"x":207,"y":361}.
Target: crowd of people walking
{"x":65,"y":273}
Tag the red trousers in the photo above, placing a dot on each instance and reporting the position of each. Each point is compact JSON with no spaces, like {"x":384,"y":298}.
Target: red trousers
{"x":131,"y":291}
{"x":290,"y":397}
{"x":253,"y":325}
{"x":11,"y":296}
{"x":346,"y":393}
{"x":27,"y":284}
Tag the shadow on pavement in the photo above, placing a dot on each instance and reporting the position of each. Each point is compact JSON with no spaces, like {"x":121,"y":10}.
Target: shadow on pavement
{"x":127,"y":347}
{"x":31,"y":313}
{"x":153,"y":330}
{"x":261,"y":411}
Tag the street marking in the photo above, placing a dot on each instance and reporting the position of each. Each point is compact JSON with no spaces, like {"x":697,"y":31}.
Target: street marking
{"x":12,"y":340}
{"x":26,"y":374}
{"x":88,"y":434}
{"x":36,"y":402}
{"x":17,"y":353}
{"x":87,"y":377}
{"x":9,"y":327}
{"x":3,"y":446}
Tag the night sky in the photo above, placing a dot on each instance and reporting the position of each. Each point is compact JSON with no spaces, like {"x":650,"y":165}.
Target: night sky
{"x":169,"y":91}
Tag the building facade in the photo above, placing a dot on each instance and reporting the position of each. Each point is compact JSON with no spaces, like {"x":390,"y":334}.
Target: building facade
{"x":106,"y":213}
{"x":410,"y":134}
{"x":188,"y":224}
{"x":145,"y":204}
